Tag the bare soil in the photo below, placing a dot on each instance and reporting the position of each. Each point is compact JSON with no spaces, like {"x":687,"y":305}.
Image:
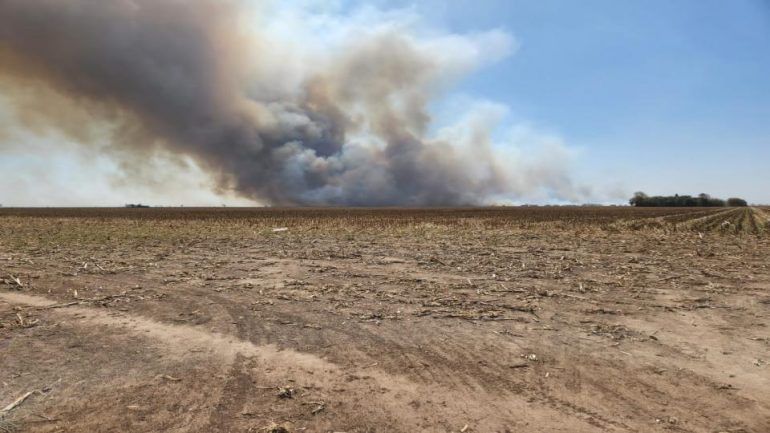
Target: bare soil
{"x":488,"y":320}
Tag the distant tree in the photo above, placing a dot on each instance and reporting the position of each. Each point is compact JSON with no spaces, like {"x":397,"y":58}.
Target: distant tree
{"x":703,"y":200}
{"x":638,"y":199}
{"x":736,"y":202}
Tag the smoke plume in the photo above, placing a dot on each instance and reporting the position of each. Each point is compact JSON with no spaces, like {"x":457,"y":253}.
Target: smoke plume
{"x":263,"y":101}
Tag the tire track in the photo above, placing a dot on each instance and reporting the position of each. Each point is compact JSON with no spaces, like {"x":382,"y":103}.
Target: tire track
{"x":375,"y":396}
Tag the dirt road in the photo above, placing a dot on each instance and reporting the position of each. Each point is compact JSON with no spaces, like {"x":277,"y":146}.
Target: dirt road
{"x":404,"y":324}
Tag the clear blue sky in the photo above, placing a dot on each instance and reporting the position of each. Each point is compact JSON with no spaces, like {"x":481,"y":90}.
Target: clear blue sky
{"x":664,"y":96}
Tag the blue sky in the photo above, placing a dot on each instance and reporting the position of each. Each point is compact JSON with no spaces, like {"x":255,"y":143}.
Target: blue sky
{"x":658,"y":95}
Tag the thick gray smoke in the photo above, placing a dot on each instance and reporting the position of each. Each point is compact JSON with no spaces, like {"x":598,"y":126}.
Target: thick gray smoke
{"x":344,"y":124}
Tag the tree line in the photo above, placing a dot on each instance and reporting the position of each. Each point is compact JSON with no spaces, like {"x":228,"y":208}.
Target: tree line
{"x":641,"y":199}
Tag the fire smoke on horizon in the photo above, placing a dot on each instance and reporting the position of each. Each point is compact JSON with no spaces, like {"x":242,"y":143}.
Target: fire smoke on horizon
{"x":336,"y":118}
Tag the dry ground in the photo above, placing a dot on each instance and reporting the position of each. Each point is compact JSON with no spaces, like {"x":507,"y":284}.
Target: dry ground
{"x":490,"y":320}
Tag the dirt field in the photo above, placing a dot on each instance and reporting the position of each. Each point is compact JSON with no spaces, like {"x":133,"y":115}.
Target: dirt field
{"x":489,"y":320}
